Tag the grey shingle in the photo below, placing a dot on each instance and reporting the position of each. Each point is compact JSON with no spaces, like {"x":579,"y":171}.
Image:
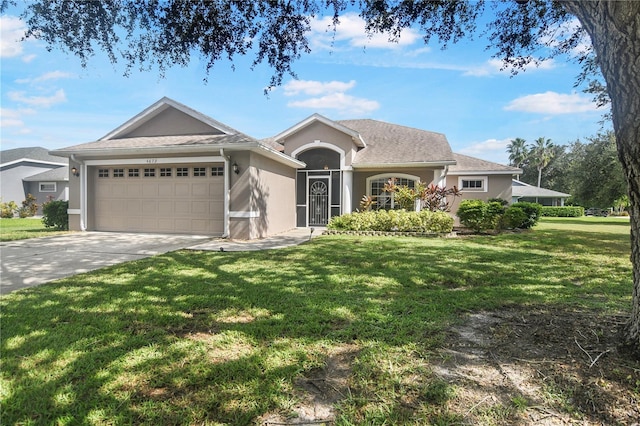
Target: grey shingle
{"x":161,"y":141}
{"x":59,"y":174}
{"x":466,"y":164}
{"x":33,"y":153}
{"x":521,"y":189}
{"x":392,"y":144}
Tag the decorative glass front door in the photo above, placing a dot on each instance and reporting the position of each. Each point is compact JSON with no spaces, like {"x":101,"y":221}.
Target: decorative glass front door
{"x":318,"y":201}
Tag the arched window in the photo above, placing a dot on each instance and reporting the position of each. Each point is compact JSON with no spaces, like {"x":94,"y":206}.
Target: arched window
{"x":320,"y":159}
{"x":385,"y":200}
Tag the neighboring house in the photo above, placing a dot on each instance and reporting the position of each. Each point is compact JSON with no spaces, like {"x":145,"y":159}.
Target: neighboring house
{"x":524,"y":192}
{"x":172,"y":169}
{"x":33,"y":171}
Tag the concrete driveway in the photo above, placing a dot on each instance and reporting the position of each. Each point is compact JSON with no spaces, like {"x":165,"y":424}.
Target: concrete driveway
{"x":27,"y":263}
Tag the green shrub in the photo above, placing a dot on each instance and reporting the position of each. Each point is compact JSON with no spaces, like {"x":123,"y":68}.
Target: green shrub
{"x":502,"y":201}
{"x":494,"y":212}
{"x":55,"y":215}
{"x":8,"y":210}
{"x":473,"y":214}
{"x":438,"y":221}
{"x":566,"y":211}
{"x":24,"y":212}
{"x":29,"y":207}
{"x":533,"y":212}
{"x":513,"y":218}
{"x":393,"y":220}
{"x":481,"y":216}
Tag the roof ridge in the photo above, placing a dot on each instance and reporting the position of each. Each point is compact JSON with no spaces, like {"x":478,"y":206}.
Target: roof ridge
{"x":390,"y":124}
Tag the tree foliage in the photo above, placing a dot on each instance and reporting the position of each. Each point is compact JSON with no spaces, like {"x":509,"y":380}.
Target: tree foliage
{"x":597,"y":178}
{"x":589,"y":171}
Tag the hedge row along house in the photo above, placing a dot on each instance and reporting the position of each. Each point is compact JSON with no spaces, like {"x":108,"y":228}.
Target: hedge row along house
{"x":171,"y":169}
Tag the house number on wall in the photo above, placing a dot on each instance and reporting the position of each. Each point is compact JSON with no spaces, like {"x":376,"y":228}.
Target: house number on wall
{"x":152,"y":160}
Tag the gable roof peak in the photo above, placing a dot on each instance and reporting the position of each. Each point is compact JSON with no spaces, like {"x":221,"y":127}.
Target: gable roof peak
{"x":315,"y":117}
{"x":160,"y":106}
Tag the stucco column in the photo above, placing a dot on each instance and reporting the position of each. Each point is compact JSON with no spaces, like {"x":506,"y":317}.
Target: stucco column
{"x":347,"y":190}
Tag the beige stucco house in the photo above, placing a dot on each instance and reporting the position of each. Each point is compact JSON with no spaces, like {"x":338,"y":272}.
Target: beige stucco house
{"x":171,"y":169}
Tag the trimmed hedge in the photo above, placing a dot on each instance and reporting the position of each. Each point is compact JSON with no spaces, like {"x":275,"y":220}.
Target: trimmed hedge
{"x":393,"y":220}
{"x":482,"y":216}
{"x":566,"y":211}
{"x":533,"y":212}
{"x":55,"y":215}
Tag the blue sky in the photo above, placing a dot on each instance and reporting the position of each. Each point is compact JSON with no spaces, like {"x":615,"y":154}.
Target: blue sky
{"x":49,"y":100}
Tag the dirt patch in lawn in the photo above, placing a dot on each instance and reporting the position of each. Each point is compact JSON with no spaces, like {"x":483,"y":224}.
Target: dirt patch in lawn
{"x":542,"y":367}
{"x":512,"y":367}
{"x":319,"y":390}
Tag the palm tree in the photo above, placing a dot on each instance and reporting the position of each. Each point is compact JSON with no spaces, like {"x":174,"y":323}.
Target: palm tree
{"x":541,"y":154}
{"x":518,"y":152}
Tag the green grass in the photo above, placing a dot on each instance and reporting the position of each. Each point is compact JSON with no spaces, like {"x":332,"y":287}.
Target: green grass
{"x":23,"y":228}
{"x":219,"y":338}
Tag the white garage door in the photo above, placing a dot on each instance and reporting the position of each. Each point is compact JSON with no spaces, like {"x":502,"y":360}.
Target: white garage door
{"x":172,"y":198}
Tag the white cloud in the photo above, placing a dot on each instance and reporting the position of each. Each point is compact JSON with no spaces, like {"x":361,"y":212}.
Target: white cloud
{"x":52,"y":75}
{"x":28,"y":58}
{"x":11,"y":31}
{"x":491,"y":150}
{"x":552,"y":103}
{"x":351,"y":30}
{"x":13,"y":118}
{"x":496,"y":66}
{"x":38,"y":101}
{"x":338,"y":101}
{"x":323,"y":95}
{"x":314,"y":88}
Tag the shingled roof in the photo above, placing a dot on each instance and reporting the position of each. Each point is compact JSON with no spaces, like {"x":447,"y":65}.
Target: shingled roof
{"x":393,"y":144}
{"x":471,"y":165}
{"x":59,"y":174}
{"x":34,"y":153}
{"x":160,"y":141}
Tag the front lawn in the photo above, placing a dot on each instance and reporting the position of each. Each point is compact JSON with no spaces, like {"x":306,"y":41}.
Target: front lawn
{"x":241,"y":338}
{"x":23,"y":228}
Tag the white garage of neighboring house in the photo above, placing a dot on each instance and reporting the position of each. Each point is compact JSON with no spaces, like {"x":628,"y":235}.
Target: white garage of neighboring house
{"x":171,"y":169}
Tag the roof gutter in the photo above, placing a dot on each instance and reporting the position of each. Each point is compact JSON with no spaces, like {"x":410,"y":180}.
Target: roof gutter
{"x":182,"y":149}
{"x":404,"y":165}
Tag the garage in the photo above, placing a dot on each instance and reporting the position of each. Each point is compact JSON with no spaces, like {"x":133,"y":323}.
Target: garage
{"x":184,"y":198}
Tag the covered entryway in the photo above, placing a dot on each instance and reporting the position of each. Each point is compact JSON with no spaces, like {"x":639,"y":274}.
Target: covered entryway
{"x":318,"y":187}
{"x":166,"y":198}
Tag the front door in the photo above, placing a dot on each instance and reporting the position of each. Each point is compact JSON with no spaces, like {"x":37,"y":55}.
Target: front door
{"x":318,"y":201}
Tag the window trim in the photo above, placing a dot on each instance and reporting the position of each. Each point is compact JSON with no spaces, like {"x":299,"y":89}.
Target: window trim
{"x":484,"y":179}
{"x":387,"y":176}
{"x":55,"y":186}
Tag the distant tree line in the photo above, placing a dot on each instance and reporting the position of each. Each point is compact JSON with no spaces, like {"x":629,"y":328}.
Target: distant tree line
{"x":590,"y":171}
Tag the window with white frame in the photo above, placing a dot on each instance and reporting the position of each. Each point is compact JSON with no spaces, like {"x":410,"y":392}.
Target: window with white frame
{"x":386,"y":200}
{"x":48,"y":187}
{"x":473,"y":183}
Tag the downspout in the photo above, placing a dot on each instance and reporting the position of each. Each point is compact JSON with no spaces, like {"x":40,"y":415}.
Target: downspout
{"x":227,"y":186}
{"x":83,"y":192}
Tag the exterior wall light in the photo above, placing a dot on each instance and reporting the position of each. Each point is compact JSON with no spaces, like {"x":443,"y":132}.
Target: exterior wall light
{"x":75,"y":172}
{"x":236,"y":169}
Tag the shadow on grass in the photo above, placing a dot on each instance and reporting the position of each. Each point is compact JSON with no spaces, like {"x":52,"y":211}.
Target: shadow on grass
{"x":190,"y":337}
